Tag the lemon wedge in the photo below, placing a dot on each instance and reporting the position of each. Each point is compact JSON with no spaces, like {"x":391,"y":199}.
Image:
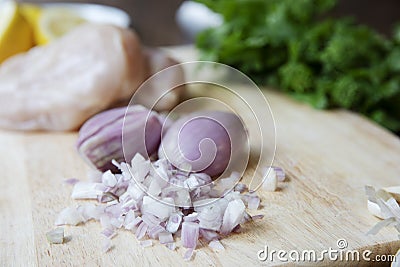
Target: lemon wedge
{"x":53,"y":23}
{"x":15,"y":31}
{"x":30,"y":12}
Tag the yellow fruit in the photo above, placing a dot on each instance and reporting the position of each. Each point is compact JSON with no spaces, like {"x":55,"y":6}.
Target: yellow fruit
{"x":30,"y":12}
{"x":15,"y":32}
{"x":54,"y":23}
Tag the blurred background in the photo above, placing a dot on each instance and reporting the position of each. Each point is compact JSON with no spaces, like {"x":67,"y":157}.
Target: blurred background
{"x":156,"y":23}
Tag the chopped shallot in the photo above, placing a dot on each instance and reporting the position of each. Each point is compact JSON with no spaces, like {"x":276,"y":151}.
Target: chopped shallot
{"x":71,"y":181}
{"x":241,"y":188}
{"x":191,"y":217}
{"x":257,"y":217}
{"x":146,"y":243}
{"x":383,"y":205}
{"x":70,"y":216}
{"x":155,"y":231}
{"x":90,"y":211}
{"x":208,"y":235}
{"x":165,"y":238}
{"x":216,"y":245}
{"x":270,"y":182}
{"x":189,"y":254}
{"x":174,"y":222}
{"x":253,"y":201}
{"x":394,"y":191}
{"x":107,"y":245}
{"x":211,"y":218}
{"x":280,"y":173}
{"x":141,"y":230}
{"x":380,"y":225}
{"x":87,"y":190}
{"x":161,"y":208}
{"x":396,"y":260}
{"x":109,"y":233}
{"x":190,"y":234}
{"x":56,"y":236}
{"x":374,"y":209}
{"x":171,"y":246}
{"x":108,"y":179}
{"x":155,"y":200}
{"x":233,"y":215}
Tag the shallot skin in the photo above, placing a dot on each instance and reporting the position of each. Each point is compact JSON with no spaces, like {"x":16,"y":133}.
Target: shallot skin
{"x":114,"y":134}
{"x":208,"y":141}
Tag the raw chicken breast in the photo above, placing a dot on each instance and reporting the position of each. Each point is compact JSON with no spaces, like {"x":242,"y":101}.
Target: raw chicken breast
{"x":59,"y":86}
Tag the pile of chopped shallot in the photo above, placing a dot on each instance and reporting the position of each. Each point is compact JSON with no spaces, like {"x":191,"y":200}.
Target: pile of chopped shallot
{"x":384,"y":204}
{"x":159,"y":202}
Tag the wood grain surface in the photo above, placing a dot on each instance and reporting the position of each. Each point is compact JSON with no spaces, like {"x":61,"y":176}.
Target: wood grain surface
{"x":329,"y":157}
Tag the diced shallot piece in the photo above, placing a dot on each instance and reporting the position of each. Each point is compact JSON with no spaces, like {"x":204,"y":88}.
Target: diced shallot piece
{"x":190,"y":234}
{"x":171,"y":246}
{"x":55,"y":236}
{"x":174,"y":222}
{"x":208,"y":235}
{"x":135,"y":222}
{"x":155,"y":231}
{"x":189,"y":254}
{"x":140,"y":167}
{"x":71,"y":181}
{"x":90,"y":211}
{"x":210,"y":217}
{"x":165,"y":237}
{"x":108,"y":179}
{"x":240,"y":188}
{"x":87,"y":190}
{"x":158,"y":201}
{"x":394,"y":191}
{"x":216,"y":245}
{"x":280,"y":173}
{"x":233,"y":215}
{"x":257,"y":217}
{"x":161,"y":209}
{"x":253,"y":202}
{"x":107,"y":245}
{"x":191,"y":217}
{"x":374,"y":209}
{"x":270,"y":182}
{"x":69,"y":216}
{"x":141,"y":230}
{"x":146,"y":243}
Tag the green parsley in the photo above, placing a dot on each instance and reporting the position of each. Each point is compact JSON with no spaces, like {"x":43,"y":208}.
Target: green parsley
{"x":292,"y":45}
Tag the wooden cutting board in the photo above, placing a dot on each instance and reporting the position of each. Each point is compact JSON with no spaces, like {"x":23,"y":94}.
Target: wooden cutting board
{"x":329,"y":157}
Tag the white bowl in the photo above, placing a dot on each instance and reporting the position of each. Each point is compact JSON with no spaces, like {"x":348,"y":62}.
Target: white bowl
{"x":193,"y":17}
{"x":96,"y":13}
